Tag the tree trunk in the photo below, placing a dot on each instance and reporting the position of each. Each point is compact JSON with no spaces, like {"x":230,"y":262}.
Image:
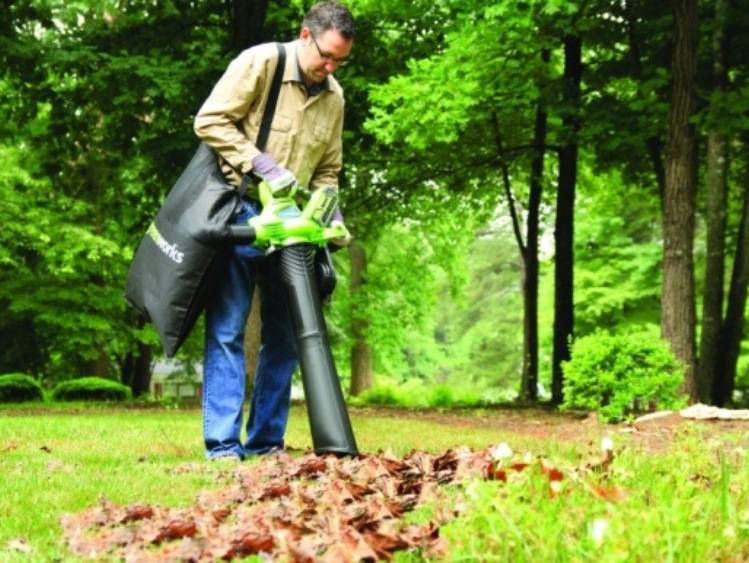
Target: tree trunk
{"x":252,"y":340}
{"x":141,"y":375}
{"x":717,"y":169}
{"x":678,"y":295}
{"x":564,"y":226}
{"x":529,"y":380}
{"x":136,"y":370}
{"x":732,"y":331}
{"x":99,"y":366}
{"x":248,"y":20}
{"x":361,"y":352}
{"x":653,"y":144}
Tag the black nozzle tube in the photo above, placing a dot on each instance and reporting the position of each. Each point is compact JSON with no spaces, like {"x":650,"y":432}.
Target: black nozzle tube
{"x":241,"y":234}
{"x":326,"y":408}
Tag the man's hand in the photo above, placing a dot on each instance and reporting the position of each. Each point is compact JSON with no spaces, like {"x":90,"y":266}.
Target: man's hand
{"x":336,"y":222}
{"x":282,"y":182}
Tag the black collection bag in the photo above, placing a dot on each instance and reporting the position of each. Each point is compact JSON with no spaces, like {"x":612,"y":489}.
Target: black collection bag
{"x":176,"y":263}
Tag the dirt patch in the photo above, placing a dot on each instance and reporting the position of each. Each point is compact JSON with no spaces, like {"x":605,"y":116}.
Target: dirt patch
{"x":655,"y":433}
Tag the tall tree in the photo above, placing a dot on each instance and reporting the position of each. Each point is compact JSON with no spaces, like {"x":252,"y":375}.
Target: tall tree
{"x":248,"y":21}
{"x":529,"y":251}
{"x":564,"y":224}
{"x":247,"y":30}
{"x":653,"y":141}
{"x":716,"y":214}
{"x":472,"y":124}
{"x":362,"y":376}
{"x":678,"y":296}
{"x":100,"y":102}
{"x":732,"y":329}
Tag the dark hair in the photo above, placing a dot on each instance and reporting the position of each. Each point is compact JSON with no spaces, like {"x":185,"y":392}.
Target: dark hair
{"x":330,"y":15}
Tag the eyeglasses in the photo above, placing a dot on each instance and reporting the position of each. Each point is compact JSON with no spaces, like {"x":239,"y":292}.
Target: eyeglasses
{"x":328,"y":57}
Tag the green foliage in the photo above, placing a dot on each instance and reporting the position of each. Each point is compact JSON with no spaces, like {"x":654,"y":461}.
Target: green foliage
{"x":440,"y":396}
{"x":97,"y":126}
{"x":91,"y":389}
{"x":455,"y":91}
{"x":98,"y":99}
{"x":618,"y":253}
{"x":481,"y":329}
{"x":404,"y":270}
{"x":19,"y":388}
{"x":416,"y":394}
{"x":388,"y":392}
{"x":446,"y":395}
{"x":60,"y":279}
{"x":618,"y":375}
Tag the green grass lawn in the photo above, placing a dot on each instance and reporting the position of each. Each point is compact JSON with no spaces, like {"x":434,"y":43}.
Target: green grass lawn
{"x":690,"y":503}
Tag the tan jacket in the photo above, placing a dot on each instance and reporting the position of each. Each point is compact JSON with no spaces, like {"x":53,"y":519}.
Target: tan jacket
{"x":305,"y":135}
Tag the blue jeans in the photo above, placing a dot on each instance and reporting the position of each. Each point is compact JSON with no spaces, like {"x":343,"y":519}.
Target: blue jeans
{"x":224,"y":369}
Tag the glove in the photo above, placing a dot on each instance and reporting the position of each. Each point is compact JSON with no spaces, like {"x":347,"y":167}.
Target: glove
{"x":282,"y":182}
{"x":336,"y":222}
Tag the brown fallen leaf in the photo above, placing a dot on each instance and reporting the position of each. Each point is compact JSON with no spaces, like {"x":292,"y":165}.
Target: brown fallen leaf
{"x":609,"y":494}
{"x":250,"y":543}
{"x":311,"y":508}
{"x":136,"y":512}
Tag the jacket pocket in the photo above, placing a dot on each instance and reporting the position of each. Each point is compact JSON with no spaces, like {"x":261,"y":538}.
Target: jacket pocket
{"x":321,"y":134}
{"x":281,"y":124}
{"x":279,"y":137}
{"x":318,"y":144}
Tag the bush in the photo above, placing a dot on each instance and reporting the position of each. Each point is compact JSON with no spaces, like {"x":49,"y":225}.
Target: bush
{"x":441,"y":396}
{"x":415,"y":394}
{"x":91,"y":389}
{"x":19,"y":388}
{"x":384,"y":394}
{"x":446,"y":395}
{"x":389,"y":392}
{"x":618,"y":375}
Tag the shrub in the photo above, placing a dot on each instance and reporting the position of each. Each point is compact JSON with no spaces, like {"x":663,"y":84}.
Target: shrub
{"x":91,"y":389}
{"x":385,"y":394}
{"x":392,"y":393}
{"x":415,"y":394}
{"x":441,"y":396}
{"x":619,"y":374}
{"x":19,"y":388}
{"x":449,"y":395}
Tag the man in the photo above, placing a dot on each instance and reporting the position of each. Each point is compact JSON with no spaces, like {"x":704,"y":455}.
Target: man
{"x":304,"y":146}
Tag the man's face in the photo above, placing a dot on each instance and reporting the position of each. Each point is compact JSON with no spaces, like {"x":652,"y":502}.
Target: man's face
{"x":322,"y":55}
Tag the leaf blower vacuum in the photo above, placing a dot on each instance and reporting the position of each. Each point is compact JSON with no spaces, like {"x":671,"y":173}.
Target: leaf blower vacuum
{"x":296,"y":235}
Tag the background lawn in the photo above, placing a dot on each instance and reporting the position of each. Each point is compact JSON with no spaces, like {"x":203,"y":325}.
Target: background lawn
{"x":62,"y":459}
{"x":685,"y":502}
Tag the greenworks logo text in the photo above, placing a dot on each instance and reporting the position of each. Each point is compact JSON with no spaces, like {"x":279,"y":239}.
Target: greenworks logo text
{"x":169,"y":249}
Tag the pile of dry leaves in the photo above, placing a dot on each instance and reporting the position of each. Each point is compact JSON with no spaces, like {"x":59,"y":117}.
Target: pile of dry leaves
{"x":300,"y":509}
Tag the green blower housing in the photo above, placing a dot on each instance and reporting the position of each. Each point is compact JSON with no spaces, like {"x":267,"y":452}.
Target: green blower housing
{"x":294,"y":235}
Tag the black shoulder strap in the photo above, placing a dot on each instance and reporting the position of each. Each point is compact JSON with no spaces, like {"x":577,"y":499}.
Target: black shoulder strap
{"x":270,"y":106}
{"x":270,"y":110}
